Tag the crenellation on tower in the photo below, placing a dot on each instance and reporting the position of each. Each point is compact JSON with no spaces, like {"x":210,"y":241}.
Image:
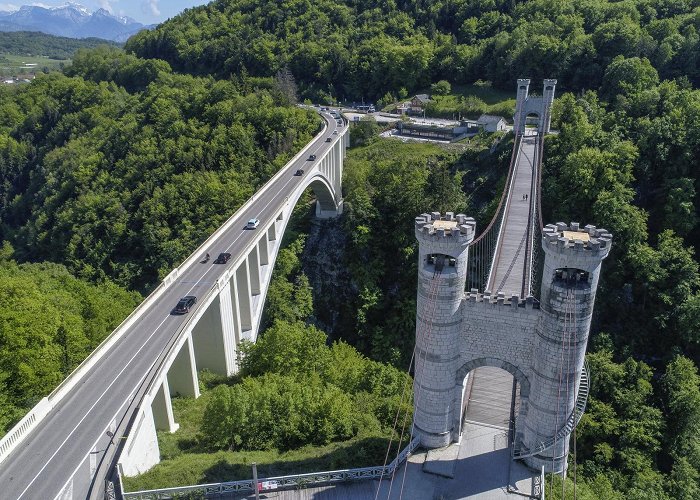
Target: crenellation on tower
{"x":541,"y":343}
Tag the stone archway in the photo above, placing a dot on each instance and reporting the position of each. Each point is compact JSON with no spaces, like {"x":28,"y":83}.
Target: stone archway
{"x":472,"y":365}
{"x":533,"y":119}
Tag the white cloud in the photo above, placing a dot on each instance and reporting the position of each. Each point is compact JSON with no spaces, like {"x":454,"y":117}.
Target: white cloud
{"x":151,"y":7}
{"x":105,"y":4}
{"x":12,"y":7}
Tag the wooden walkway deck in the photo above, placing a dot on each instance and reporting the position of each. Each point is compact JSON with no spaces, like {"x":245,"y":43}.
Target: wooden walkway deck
{"x":507,"y":271}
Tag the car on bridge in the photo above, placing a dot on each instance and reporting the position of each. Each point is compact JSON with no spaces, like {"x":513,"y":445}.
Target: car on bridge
{"x":185,"y":304}
{"x":312,"y":157}
{"x":300,"y":171}
{"x":328,"y":139}
{"x":252,"y":223}
{"x":222,"y":258}
{"x":335,"y":132}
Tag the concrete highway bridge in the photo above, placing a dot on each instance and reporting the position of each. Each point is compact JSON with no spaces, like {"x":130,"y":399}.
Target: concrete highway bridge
{"x":109,"y":408}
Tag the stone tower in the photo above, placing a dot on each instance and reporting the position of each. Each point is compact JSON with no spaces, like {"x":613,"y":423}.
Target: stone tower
{"x":539,"y":105}
{"x":542,"y":344}
{"x":573,"y":257}
{"x":442,"y":270}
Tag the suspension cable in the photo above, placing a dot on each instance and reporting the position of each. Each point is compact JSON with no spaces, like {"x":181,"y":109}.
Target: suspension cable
{"x":561,"y":368}
{"x":419,"y":376}
{"x":431,"y":300}
{"x":568,"y":373}
{"x":405,"y":385}
{"x":575,"y":458}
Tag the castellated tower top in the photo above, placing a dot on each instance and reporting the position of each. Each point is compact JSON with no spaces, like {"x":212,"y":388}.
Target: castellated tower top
{"x":449,"y":229}
{"x":572,"y":243}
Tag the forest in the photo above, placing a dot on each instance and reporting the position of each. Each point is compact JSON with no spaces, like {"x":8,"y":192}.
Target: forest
{"x":365,"y":48}
{"x":32,"y":43}
{"x":116,"y":168}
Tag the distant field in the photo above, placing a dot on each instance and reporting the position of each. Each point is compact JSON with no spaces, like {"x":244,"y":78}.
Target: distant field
{"x":13,"y":64}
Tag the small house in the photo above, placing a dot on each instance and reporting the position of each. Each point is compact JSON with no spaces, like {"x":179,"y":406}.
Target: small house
{"x":491,"y":123}
{"x":419,"y":102}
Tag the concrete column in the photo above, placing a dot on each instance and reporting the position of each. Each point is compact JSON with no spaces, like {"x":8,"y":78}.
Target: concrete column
{"x":141,"y":451}
{"x":264,"y":251}
{"x":212,"y":336}
{"x":243,"y":302}
{"x":182,"y":376}
{"x":272,"y":232}
{"x":233,"y":298}
{"x":254,"y":270}
{"x":162,"y":409}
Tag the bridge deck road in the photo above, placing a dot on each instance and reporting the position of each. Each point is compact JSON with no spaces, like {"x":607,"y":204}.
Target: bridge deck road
{"x":78,"y":426}
{"x":507,"y":272}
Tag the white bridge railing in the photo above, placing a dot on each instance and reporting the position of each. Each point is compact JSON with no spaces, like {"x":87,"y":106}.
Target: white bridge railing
{"x":276,"y":483}
{"x":19,"y":432}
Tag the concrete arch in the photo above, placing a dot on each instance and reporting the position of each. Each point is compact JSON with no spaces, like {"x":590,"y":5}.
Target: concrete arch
{"x":325,"y":194}
{"x":324,"y":179}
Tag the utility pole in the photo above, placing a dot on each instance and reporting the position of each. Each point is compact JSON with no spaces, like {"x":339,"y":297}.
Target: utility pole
{"x":255,"y":481}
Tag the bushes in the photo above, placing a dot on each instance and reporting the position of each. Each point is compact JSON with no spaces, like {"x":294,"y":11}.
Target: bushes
{"x":277,"y":411}
{"x":297,"y":390}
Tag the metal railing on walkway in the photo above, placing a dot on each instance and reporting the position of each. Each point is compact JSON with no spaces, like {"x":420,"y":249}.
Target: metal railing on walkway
{"x":568,"y":427}
{"x":276,"y":483}
{"x":482,"y":250}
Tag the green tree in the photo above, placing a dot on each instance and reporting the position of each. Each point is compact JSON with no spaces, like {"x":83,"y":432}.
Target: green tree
{"x":442,"y":87}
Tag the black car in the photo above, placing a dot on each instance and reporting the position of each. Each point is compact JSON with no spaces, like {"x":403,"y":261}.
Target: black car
{"x":222,"y":258}
{"x":312,"y":157}
{"x":185,"y":303}
{"x":299,"y":171}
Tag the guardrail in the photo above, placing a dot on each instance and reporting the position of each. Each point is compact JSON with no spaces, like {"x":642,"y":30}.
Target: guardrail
{"x":17,"y":434}
{"x":156,"y":371}
{"x":276,"y":483}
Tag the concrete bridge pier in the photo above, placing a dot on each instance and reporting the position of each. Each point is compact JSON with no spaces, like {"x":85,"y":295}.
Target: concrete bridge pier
{"x":162,"y":409}
{"x":182,"y":375}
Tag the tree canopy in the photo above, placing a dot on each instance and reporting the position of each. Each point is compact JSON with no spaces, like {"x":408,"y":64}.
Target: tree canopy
{"x":362,"y":48}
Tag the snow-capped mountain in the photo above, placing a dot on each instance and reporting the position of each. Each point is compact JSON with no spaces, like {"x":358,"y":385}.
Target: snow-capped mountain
{"x":71,"y":20}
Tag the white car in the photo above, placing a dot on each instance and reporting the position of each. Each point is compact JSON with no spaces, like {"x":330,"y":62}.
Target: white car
{"x":252,"y":223}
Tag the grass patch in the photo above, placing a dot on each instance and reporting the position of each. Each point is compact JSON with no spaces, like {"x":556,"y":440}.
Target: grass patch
{"x":13,"y":64}
{"x":222,"y":466}
{"x":471,"y":101}
{"x":185,"y":461}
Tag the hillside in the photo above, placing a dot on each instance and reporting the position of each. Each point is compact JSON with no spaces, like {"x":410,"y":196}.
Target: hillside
{"x":362,"y":48}
{"x":30,"y":43}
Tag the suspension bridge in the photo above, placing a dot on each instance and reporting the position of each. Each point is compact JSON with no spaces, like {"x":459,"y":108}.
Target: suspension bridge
{"x":508,"y":308}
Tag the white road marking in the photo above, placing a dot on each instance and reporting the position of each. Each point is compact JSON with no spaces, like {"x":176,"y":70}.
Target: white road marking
{"x":198,"y":282}
{"x":88,"y":412}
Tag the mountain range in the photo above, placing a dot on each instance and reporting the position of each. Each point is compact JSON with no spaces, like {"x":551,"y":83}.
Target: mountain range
{"x":70,"y":20}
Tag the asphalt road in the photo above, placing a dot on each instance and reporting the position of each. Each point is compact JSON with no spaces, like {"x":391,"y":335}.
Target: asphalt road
{"x":81,"y":424}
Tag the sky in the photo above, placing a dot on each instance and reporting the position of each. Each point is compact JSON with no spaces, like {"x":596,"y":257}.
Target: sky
{"x":144,"y":11}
